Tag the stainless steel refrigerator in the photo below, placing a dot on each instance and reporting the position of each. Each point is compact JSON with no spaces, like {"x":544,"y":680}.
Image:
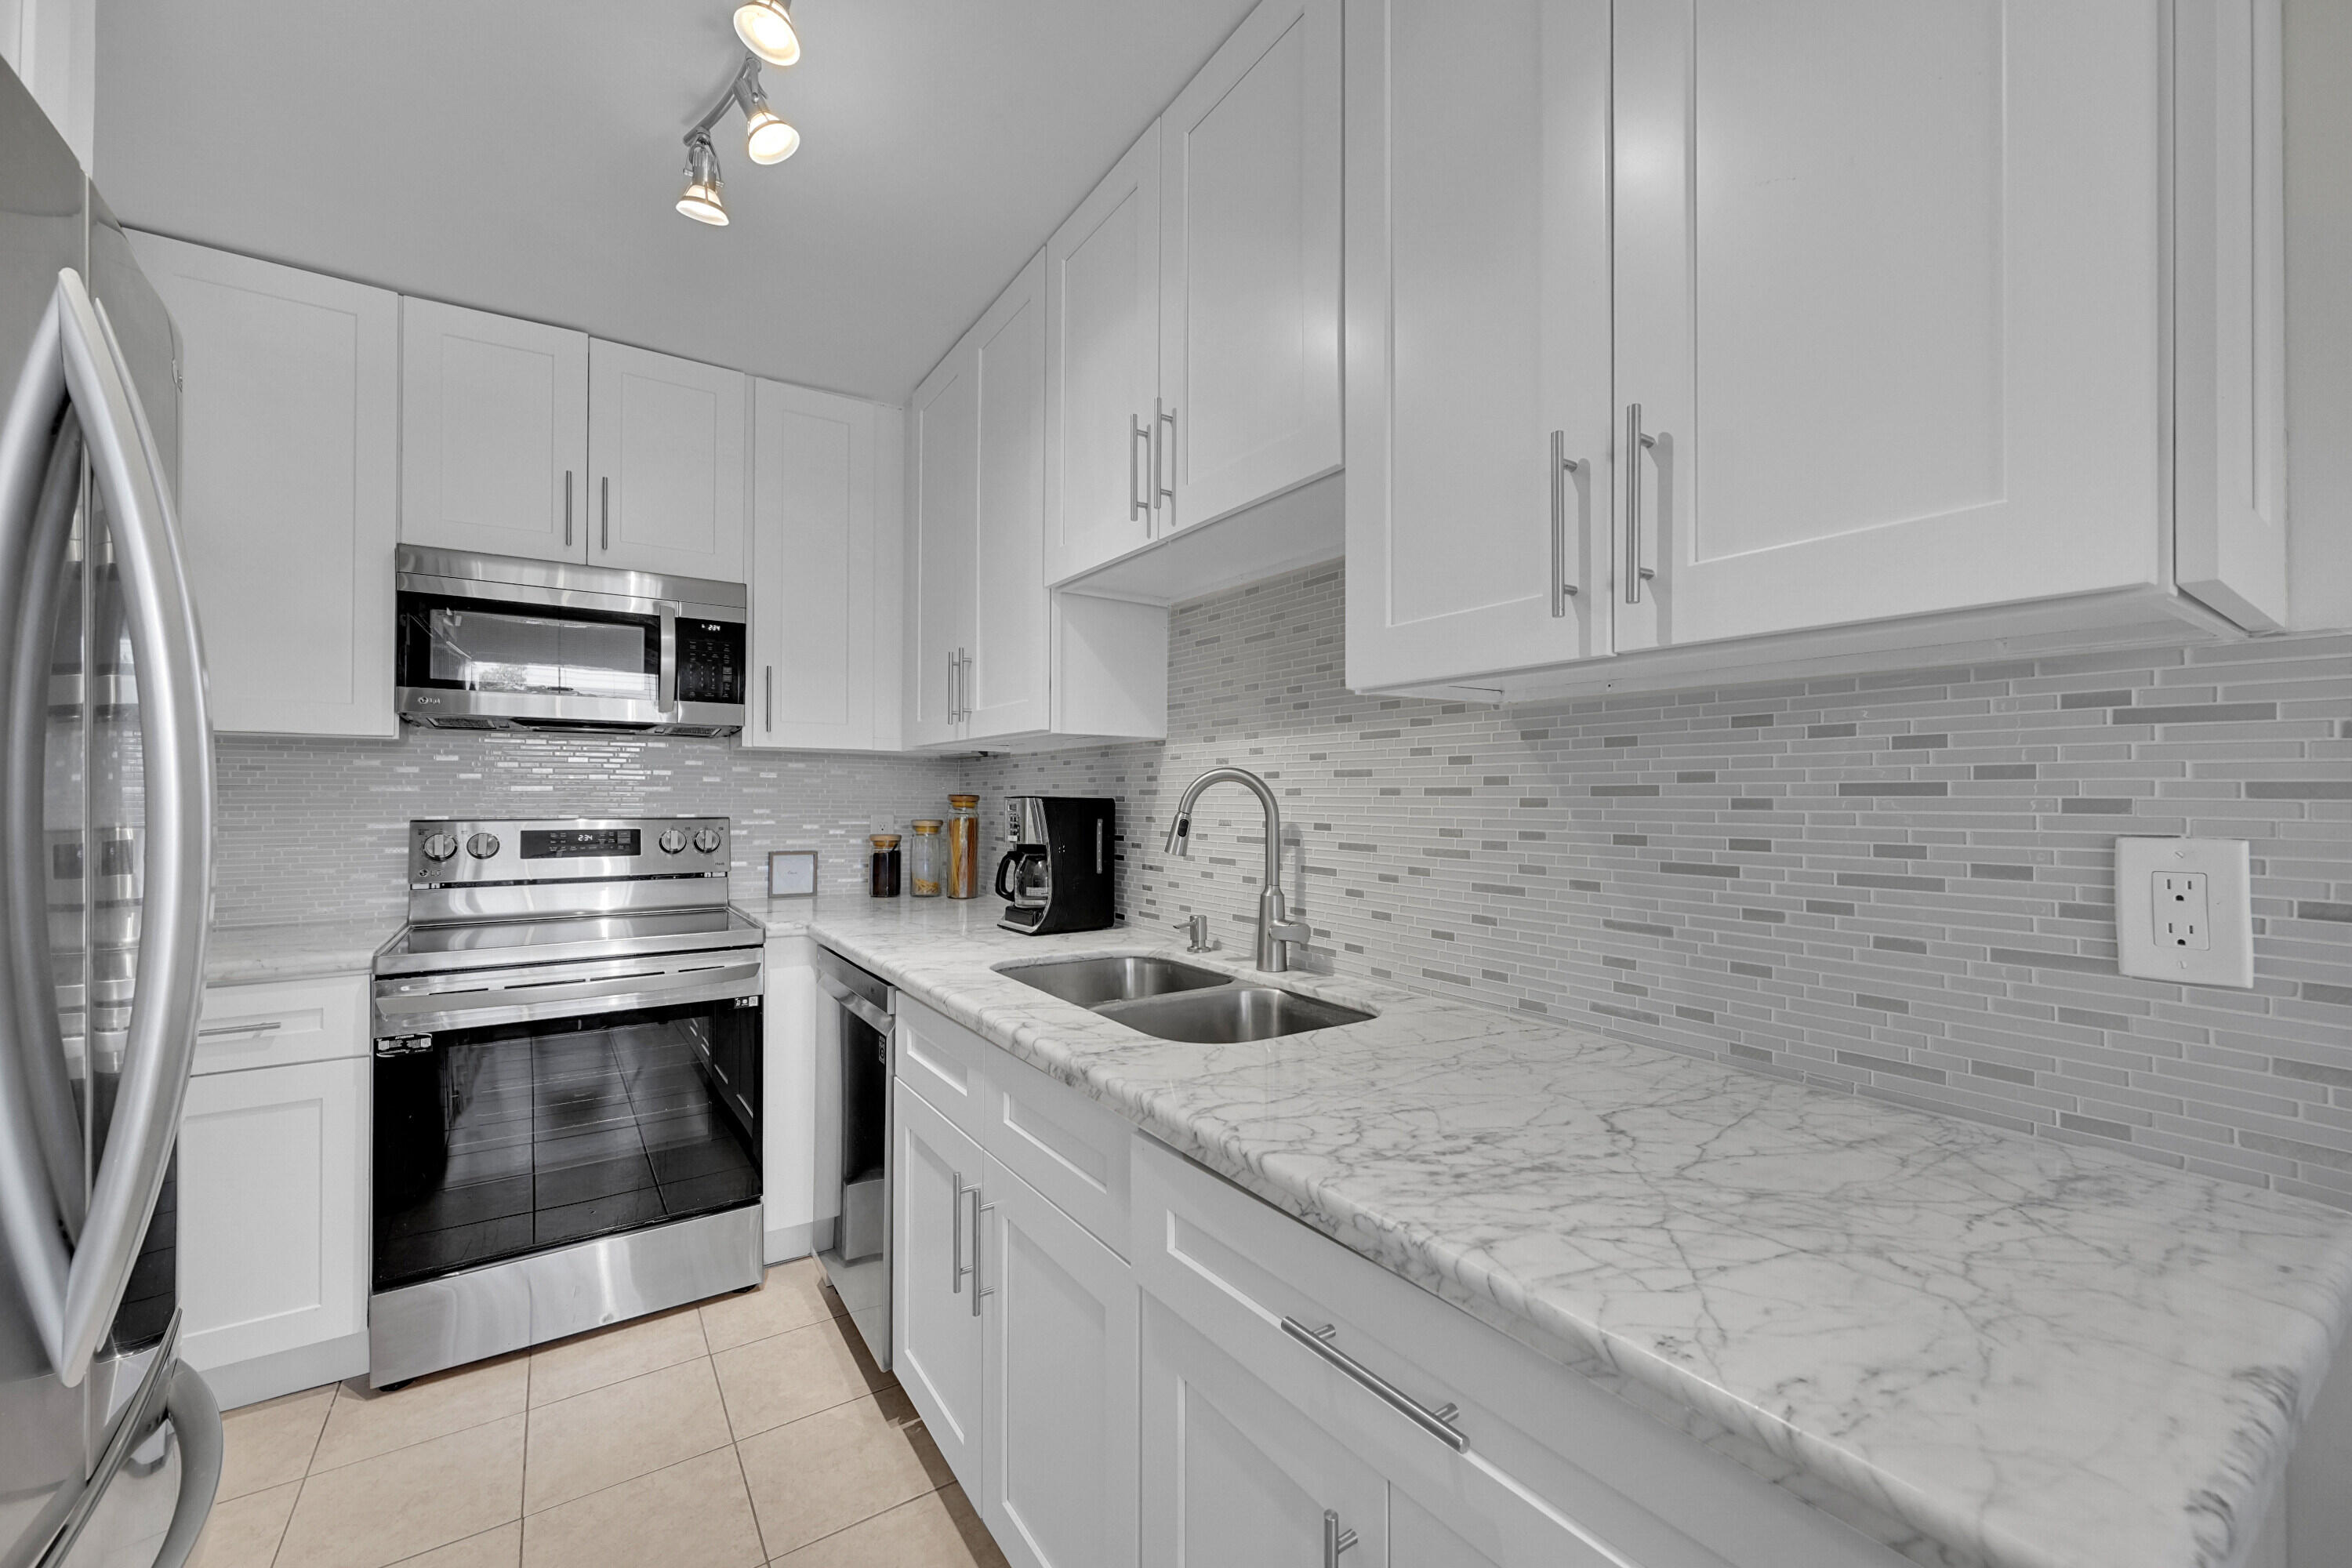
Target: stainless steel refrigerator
{"x":109,"y":1448}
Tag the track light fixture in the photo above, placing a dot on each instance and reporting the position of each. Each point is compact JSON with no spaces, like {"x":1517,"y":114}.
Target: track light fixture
{"x":767,"y":137}
{"x":701,"y":201}
{"x":766,"y":28}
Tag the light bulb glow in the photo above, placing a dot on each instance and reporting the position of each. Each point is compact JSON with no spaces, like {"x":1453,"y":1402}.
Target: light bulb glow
{"x":767,"y":138}
{"x":766,"y":28}
{"x":701,"y":200}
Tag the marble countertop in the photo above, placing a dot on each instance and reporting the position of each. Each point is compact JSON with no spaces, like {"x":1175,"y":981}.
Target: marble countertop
{"x":242,"y":955}
{"x":2003,"y":1348}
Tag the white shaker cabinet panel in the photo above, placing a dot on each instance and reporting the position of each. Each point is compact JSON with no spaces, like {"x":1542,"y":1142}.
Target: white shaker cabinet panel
{"x":1005,"y":680}
{"x":942,"y":543}
{"x":665,"y":451}
{"x":1888,"y":290}
{"x":2230,"y":536}
{"x":273,"y":1210}
{"x":1102,"y":367}
{"x":1249,"y":268}
{"x":822,"y":614}
{"x":936,"y":1329}
{"x":493,"y":432}
{"x":1478,"y":337}
{"x":289,"y":434}
{"x":1058,"y":1477}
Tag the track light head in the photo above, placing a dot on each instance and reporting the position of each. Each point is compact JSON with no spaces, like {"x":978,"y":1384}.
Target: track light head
{"x":766,"y":28}
{"x":768,"y":137}
{"x":701,"y":200}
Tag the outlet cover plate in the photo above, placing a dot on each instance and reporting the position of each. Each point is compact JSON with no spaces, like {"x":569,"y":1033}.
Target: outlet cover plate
{"x":2229,"y":958}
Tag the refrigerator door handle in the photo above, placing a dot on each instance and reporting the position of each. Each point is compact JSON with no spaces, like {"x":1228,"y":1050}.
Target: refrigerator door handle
{"x":195,"y":1417}
{"x":73,"y":1299}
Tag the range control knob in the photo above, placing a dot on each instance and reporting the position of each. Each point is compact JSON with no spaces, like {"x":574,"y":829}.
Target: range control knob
{"x":482,"y":846}
{"x":439,"y":846}
{"x":707,"y":840}
{"x":671,"y":841}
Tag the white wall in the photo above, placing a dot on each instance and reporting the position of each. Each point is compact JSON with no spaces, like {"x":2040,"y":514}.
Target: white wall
{"x":2319,"y":39}
{"x":52,"y":45}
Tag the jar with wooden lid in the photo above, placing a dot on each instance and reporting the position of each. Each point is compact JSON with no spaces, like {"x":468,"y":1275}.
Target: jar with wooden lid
{"x":963,"y":846}
{"x":926,"y":859}
{"x":883,"y":883}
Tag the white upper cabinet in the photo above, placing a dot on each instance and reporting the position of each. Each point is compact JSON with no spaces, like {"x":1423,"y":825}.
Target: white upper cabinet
{"x":1887,"y":293}
{"x":1479,"y":337}
{"x":666,"y":452}
{"x":942,"y":543}
{"x":823,"y":590}
{"x":493,"y":431}
{"x":1102,"y":376}
{"x":1005,"y":680}
{"x":1249,"y":268}
{"x":290,"y":433}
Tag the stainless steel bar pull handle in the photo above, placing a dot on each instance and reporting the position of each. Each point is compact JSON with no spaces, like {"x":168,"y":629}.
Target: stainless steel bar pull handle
{"x":1163,"y":479}
{"x":567,"y":508}
{"x":768,"y":699}
{"x":1635,"y":444}
{"x":955,"y":1224}
{"x":260,"y":1028}
{"x":1335,"y":1540}
{"x":605,"y":509}
{"x":1138,"y":505}
{"x":979,"y":1211}
{"x":1562,"y":466}
{"x":1437,"y":1423}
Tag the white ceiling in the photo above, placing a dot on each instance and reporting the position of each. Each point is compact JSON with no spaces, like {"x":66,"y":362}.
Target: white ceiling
{"x":523,"y":156}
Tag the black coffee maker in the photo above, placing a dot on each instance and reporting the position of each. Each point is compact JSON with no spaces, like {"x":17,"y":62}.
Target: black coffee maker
{"x":1057,"y":874}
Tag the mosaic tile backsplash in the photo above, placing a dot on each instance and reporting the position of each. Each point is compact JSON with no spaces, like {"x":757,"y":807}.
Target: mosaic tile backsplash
{"x":1901,"y":885}
{"x":1898,"y":885}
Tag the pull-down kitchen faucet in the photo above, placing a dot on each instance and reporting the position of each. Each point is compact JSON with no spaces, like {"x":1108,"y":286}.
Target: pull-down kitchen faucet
{"x":1275,"y":931}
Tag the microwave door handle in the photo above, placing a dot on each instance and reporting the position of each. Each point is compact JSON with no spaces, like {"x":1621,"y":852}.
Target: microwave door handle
{"x":665,"y":683}
{"x":74,"y":1299}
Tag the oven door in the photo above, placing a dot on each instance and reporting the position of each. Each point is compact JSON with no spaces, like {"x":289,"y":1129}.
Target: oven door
{"x":608,"y":1104}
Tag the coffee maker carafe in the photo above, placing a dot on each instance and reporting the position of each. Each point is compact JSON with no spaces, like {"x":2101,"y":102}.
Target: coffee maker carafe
{"x":1057,"y":874}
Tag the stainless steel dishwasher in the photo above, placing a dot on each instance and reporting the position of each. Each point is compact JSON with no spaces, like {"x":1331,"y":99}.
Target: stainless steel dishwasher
{"x":855,"y":1028}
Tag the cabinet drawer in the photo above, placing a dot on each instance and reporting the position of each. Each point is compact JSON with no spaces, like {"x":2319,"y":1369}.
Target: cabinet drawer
{"x":1613,"y":1478}
{"x":275,"y":1024}
{"x":1071,"y":1150}
{"x":945,"y":1063}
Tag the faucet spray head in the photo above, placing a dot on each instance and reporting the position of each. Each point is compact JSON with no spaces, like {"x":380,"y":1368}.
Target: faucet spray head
{"x":1180,"y":835}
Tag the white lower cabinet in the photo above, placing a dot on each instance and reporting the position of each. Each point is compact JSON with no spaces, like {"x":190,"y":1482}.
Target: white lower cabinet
{"x":936,"y":1328}
{"x":273,"y":1188}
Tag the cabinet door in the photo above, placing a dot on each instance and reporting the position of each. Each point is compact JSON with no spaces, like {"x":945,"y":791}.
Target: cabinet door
{"x":1005,"y":684}
{"x":666,"y":449}
{"x":1479,"y":337}
{"x":493,"y":432}
{"x":812,"y":578}
{"x":1233,"y":1477}
{"x":1102,"y":366}
{"x":942,"y":543}
{"x":273,"y":1210}
{"x":1249,"y":265}
{"x":1058,"y":1484}
{"x":289,"y":434}
{"x":1888,"y":288}
{"x":936,"y":1176}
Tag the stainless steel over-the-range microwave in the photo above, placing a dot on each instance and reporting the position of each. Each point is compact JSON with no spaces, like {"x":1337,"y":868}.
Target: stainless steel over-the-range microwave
{"x":497,"y":642}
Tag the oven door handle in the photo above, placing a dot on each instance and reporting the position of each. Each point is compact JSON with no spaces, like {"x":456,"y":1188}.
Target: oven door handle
{"x":414,"y":1009}
{"x":857,"y":1006}
{"x":665,"y":683}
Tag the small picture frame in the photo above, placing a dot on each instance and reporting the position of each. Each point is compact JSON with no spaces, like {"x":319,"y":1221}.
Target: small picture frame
{"x":791,"y":873}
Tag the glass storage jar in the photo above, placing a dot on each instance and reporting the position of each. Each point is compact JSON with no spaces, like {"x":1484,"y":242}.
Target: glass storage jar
{"x":963,"y":846}
{"x":884,"y":881}
{"x":926,"y":859}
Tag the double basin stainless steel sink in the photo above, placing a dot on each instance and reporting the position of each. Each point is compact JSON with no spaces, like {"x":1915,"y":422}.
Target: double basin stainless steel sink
{"x":1177,"y":1000}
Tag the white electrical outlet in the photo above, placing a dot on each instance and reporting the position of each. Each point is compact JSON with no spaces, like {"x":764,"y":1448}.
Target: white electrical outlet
{"x":2184,"y":911}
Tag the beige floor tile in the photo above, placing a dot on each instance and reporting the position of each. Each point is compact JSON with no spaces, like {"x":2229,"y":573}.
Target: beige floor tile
{"x":499,"y":1548}
{"x":621,"y":1431}
{"x":613,"y":1355}
{"x":365,"y":1423}
{"x":825,"y":1472}
{"x":936,"y":1530}
{"x":409,"y":1500}
{"x":786,"y":1376}
{"x":695,"y":1512}
{"x":270,"y":1443}
{"x":244,"y":1531}
{"x":794,"y":1296}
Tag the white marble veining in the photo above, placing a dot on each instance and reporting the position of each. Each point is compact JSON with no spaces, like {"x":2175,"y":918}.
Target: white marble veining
{"x":2029,"y":1354}
{"x":245,"y":955}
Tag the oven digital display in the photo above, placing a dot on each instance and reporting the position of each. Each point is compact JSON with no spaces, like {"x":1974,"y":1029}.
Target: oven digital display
{"x":577,"y":843}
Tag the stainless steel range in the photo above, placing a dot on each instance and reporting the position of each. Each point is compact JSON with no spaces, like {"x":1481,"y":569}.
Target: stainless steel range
{"x":567,"y":1086}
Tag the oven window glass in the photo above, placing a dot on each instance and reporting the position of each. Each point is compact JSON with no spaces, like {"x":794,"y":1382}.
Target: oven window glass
{"x":470,"y":645}
{"x":491,"y":1143}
